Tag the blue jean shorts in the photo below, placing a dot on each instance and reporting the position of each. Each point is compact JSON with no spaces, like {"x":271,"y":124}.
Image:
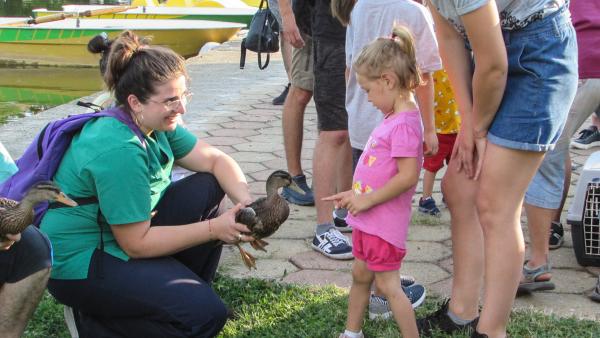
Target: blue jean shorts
{"x":541,"y":84}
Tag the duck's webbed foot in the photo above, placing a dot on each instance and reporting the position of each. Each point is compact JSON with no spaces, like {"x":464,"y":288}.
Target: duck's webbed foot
{"x":259,"y":244}
{"x":247,"y":258}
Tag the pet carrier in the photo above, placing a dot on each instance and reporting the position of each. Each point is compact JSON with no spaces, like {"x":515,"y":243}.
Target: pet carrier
{"x":584,"y":213}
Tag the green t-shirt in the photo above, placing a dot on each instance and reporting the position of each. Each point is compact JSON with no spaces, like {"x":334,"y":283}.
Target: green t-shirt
{"x":107,"y":160}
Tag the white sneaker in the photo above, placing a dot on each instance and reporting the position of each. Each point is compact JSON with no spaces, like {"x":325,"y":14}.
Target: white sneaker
{"x":70,"y":321}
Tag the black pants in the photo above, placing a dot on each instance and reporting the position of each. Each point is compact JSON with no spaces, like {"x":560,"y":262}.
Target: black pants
{"x":26,"y":257}
{"x":158,"y":297}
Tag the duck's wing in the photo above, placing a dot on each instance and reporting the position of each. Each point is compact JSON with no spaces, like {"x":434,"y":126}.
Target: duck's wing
{"x":247,"y":216}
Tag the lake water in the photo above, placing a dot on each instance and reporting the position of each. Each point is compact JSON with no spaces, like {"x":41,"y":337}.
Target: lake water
{"x":27,"y":90}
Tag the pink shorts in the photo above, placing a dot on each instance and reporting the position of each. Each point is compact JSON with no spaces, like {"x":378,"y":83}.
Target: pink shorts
{"x":377,"y":253}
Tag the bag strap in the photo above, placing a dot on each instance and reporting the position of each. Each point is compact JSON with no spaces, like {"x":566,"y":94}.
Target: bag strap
{"x":243,"y":54}
{"x":263,"y":2}
{"x":260,"y":65}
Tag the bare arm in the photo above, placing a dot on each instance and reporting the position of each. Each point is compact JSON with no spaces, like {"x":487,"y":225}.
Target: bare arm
{"x":291,"y":33}
{"x":407,"y":177}
{"x":140,"y":240}
{"x":489,"y":51}
{"x":424,"y":94}
{"x":6,"y":243}
{"x":206,"y":158}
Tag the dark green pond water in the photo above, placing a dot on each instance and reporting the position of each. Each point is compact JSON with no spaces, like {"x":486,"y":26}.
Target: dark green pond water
{"x":28,"y":90}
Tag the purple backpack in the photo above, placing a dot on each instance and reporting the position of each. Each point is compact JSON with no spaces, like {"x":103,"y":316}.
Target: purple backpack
{"x":43,"y":156}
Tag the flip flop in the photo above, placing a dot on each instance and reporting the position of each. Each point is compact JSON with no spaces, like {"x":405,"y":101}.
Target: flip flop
{"x":531,"y":282}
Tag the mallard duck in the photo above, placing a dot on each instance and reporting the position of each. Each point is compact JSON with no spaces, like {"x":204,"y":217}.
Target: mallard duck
{"x":264,"y":216}
{"x":16,"y":216}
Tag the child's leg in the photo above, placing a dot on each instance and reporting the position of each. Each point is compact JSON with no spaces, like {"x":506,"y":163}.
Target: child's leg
{"x":359,"y":295}
{"x":389,"y":283}
{"x":428,"y":179}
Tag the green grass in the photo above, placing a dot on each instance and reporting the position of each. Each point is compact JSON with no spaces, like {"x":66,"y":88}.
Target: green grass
{"x":269,"y":309}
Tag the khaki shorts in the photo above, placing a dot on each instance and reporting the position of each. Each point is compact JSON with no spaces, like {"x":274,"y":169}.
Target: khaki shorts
{"x":302,"y":65}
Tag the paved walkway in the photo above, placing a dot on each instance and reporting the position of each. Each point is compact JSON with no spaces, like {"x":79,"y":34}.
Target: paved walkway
{"x":231,"y":109}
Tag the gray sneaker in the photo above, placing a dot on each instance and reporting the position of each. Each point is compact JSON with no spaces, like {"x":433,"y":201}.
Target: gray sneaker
{"x":595,"y":296}
{"x":379,"y":308}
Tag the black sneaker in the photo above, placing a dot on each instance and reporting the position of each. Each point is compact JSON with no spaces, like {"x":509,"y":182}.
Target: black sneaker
{"x":333,"y":244}
{"x":557,"y":235}
{"x":595,"y":296}
{"x":427,"y":206}
{"x":588,"y":138}
{"x":279,"y":100}
{"x":339,"y":220}
{"x":439,"y":320}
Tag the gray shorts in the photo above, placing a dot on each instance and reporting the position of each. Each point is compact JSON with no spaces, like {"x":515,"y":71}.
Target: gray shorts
{"x":302,"y":65}
{"x":330,"y":85}
{"x":26,"y":257}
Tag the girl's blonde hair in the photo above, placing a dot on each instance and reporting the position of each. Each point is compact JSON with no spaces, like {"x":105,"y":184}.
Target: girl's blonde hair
{"x":396,"y":54}
{"x":341,"y":9}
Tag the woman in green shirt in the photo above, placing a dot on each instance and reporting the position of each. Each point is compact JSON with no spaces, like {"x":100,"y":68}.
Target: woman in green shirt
{"x":123,"y":271}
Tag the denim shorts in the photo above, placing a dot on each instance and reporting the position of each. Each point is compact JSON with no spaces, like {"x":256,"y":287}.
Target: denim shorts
{"x":541,"y":84}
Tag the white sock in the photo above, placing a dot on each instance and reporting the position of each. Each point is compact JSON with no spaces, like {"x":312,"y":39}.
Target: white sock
{"x":352,"y":334}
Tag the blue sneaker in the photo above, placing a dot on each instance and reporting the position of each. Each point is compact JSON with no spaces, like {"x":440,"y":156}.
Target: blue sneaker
{"x":379,"y":308}
{"x":297,"y":198}
{"x":427,"y":206}
{"x":333,"y":244}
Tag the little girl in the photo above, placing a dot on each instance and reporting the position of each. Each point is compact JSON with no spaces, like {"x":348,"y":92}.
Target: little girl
{"x":385,"y":179}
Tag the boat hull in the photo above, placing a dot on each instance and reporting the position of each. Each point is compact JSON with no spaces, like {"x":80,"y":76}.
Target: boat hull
{"x":54,"y":45}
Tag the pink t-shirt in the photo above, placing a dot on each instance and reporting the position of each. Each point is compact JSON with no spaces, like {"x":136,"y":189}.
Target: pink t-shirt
{"x":397,"y":136}
{"x":586,"y":19}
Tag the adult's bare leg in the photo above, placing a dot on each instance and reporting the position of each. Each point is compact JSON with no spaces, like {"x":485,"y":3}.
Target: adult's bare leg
{"x":19,"y":300}
{"x":327,"y":171}
{"x":467,"y":242}
{"x":505,"y":175}
{"x":293,"y":127}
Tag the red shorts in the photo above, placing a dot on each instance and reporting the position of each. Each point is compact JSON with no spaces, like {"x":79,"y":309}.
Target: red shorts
{"x":377,"y":253}
{"x":436,"y":162}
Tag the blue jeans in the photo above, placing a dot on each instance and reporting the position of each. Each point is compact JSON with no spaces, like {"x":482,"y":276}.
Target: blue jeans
{"x":541,"y":84}
{"x":546,"y":188}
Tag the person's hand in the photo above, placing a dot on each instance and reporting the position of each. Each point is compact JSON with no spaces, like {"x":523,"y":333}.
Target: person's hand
{"x":480,"y":146}
{"x":352,"y":202}
{"x":431,"y":143}
{"x":463,"y":152}
{"x":290,"y":31}
{"x":227,"y":230}
{"x":8,"y":240}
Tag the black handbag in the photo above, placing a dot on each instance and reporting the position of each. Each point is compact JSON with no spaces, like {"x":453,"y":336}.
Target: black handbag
{"x":262,"y":37}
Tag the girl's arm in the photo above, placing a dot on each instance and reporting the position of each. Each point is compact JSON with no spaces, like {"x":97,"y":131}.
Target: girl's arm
{"x":206,"y":158}
{"x":140,"y":240}
{"x":407,"y":177}
{"x":424,"y":94}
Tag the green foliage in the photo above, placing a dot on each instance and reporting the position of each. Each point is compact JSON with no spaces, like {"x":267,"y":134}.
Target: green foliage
{"x":269,"y":309}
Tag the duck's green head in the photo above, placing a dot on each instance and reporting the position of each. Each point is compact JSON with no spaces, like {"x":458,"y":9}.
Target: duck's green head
{"x":47,"y":191}
{"x":279,"y":179}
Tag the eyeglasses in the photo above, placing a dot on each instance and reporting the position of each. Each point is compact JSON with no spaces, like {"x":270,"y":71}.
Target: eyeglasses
{"x":174,"y":104}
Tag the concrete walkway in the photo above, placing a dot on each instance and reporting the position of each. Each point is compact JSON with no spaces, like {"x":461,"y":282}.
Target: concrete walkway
{"x":232,"y":109}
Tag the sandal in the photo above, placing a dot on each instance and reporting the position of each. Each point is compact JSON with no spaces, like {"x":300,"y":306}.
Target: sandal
{"x":531,"y":282}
